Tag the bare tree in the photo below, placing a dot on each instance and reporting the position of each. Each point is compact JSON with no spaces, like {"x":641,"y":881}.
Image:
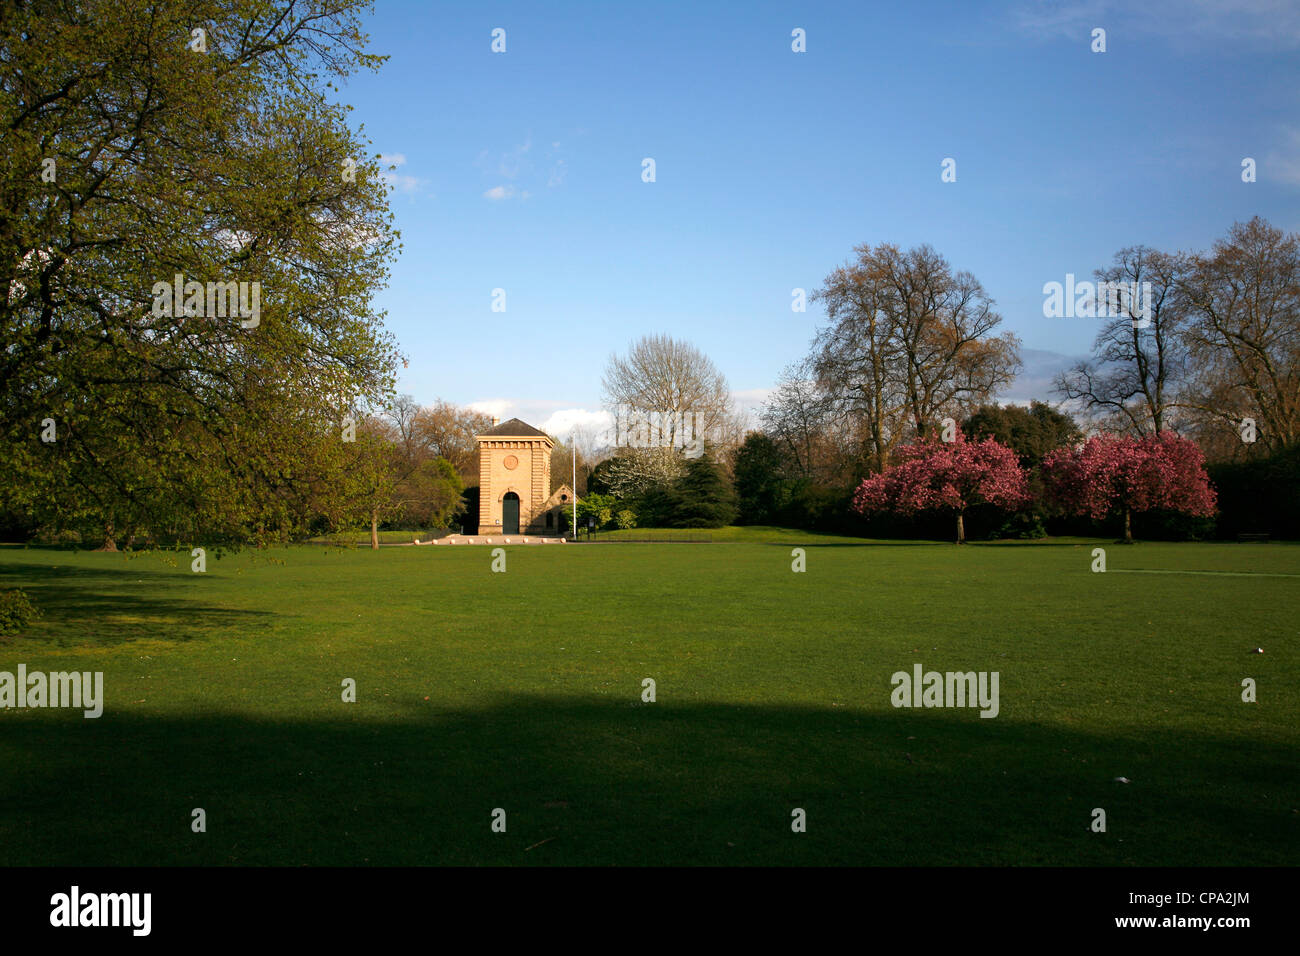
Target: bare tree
{"x":401,"y":416}
{"x":908,"y":341}
{"x":398,"y":438}
{"x":1243,"y":336}
{"x":952,"y":361}
{"x":563,"y":461}
{"x":663,"y":388}
{"x":587,"y":438}
{"x":448,"y":431}
{"x":814,"y":430}
{"x":1140,"y":358}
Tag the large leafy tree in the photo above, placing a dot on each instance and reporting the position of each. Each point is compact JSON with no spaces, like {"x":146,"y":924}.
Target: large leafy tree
{"x":945,"y":476}
{"x":136,"y":149}
{"x":1120,"y":474}
{"x":566,"y":459}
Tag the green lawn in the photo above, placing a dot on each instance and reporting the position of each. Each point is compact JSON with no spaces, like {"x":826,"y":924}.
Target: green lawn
{"x":361,"y":539}
{"x":522,"y":690}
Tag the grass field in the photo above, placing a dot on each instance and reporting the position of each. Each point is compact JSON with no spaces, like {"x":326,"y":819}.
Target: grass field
{"x":522,"y":690}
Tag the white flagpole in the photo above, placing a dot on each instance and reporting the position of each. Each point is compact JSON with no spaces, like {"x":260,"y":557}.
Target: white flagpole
{"x":573,"y":440}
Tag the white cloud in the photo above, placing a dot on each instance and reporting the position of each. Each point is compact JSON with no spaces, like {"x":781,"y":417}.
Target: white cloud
{"x":493,"y":406}
{"x":751,"y":398}
{"x":405,"y":184}
{"x":399,"y":182}
{"x":555,"y":418}
{"x":560,"y":423}
{"x":1059,"y":19}
{"x":499,"y":192}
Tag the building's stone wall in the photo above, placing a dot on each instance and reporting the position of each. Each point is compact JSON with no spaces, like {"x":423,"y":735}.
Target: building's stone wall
{"x":521,"y":465}
{"x":559,"y":503}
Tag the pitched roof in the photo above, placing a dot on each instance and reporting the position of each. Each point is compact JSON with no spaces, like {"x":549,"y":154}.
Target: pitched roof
{"x":514,"y":429}
{"x":554,"y":499}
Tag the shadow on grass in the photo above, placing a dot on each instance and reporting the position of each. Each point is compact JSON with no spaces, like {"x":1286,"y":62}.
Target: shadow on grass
{"x":13,"y":572}
{"x":108,"y":606}
{"x":865,"y":543}
{"x":598,"y":781}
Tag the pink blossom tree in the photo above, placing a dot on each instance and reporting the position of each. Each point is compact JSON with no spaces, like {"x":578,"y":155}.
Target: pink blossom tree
{"x":953,"y":476}
{"x":1112,"y":474}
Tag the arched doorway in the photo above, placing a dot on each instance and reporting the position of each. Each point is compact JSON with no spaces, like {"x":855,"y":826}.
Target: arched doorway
{"x":510,"y":513}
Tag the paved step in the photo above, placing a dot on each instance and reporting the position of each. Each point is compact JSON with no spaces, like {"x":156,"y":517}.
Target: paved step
{"x":495,"y":539}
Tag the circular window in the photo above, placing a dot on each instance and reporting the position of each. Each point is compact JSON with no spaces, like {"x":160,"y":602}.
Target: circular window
{"x":511,"y":462}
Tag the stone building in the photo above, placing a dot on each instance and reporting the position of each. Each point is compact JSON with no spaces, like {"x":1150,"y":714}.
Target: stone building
{"x":514,"y":478}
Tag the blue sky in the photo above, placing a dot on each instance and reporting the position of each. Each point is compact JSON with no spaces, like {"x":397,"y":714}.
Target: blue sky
{"x":522,"y":170}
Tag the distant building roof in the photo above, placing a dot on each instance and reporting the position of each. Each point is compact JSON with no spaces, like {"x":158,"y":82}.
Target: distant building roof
{"x":514,"y":429}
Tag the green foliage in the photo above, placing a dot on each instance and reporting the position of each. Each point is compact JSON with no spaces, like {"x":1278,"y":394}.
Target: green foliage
{"x":598,"y":479}
{"x":598,"y":507}
{"x":16,"y":611}
{"x":625,"y":520}
{"x":1259,"y":495}
{"x":702,"y":497}
{"x":224,"y":166}
{"x":1024,"y":525}
{"x":763,"y":492}
{"x":467,"y":514}
{"x":1030,"y":432}
{"x":821,"y":507}
{"x":432,"y":495}
{"x":654,"y":508}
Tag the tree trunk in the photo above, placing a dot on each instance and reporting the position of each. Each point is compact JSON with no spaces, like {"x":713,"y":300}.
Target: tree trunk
{"x":961,"y":529}
{"x":374,"y":530}
{"x":109,"y":544}
{"x":1128,"y":527}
